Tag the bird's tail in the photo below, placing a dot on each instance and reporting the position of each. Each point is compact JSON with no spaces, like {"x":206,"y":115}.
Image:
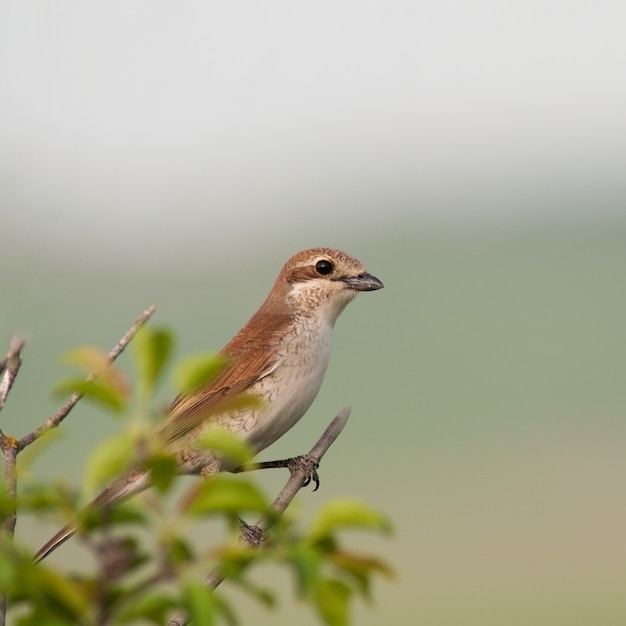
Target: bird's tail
{"x":125,"y":486}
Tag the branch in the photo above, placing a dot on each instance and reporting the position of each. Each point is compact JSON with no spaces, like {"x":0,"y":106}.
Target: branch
{"x":54,"y":420}
{"x":300,"y":477}
{"x":11,"y":447}
{"x":10,"y":366}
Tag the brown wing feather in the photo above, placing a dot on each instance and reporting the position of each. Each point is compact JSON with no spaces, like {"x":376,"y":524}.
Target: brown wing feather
{"x":252,"y":357}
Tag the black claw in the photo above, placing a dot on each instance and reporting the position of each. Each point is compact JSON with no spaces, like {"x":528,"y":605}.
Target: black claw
{"x":305,"y":463}
{"x":316,"y":479}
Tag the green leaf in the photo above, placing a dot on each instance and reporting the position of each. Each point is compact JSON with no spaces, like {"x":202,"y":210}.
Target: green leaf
{"x":346,"y":513}
{"x":196,"y":371}
{"x":360,"y":568}
{"x":45,"y":615}
{"x":263,"y":595}
{"x":225,"y":611}
{"x":24,"y":583}
{"x":40,"y":497}
{"x":306,"y":562}
{"x":122,"y":513}
{"x":234,"y":559}
{"x":54,"y":590}
{"x":90,"y":358}
{"x":6,"y":572}
{"x":109,"y":459}
{"x":224,"y":494}
{"x":152,"y":606}
{"x":200,"y":604}
{"x":98,"y":390}
{"x":163,"y":470}
{"x":109,"y":381}
{"x":151,"y":348}
{"x":8,"y":505}
{"x":331,"y":599}
{"x":177,"y":550}
{"x":49,"y":615}
{"x":226,"y":445}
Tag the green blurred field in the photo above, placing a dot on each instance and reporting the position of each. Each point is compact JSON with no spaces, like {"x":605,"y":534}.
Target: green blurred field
{"x":488,"y":384}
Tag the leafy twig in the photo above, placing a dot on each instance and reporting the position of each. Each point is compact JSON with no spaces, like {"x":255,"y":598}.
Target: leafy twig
{"x":300,"y":476}
{"x":54,"y":420}
{"x":11,"y":446}
{"x":11,"y":366}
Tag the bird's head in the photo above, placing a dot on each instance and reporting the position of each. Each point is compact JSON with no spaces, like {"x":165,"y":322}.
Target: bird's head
{"x":321,"y":281}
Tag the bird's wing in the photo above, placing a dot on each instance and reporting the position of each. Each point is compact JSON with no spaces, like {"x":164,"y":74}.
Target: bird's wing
{"x":251,"y":359}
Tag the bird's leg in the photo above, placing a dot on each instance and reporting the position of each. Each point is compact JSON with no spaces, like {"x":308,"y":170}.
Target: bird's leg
{"x":303,"y":463}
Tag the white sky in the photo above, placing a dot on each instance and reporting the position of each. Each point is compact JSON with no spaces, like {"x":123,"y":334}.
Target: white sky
{"x":149,"y":114}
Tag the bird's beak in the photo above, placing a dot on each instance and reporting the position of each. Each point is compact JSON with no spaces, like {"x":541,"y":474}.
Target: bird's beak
{"x":363,"y":282}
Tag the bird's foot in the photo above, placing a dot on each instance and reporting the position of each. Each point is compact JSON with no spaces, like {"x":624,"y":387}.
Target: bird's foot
{"x":304,"y":463}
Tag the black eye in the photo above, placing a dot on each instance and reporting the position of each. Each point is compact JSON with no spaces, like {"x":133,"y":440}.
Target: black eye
{"x":324,"y":267}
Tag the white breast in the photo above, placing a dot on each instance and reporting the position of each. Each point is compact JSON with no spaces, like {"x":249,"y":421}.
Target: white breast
{"x":294,"y":384}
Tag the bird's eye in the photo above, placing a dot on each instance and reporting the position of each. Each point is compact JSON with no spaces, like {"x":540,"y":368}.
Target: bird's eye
{"x":324,"y":267}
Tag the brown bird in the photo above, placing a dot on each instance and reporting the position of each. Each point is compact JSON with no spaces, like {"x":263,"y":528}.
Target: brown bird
{"x":280,"y":356}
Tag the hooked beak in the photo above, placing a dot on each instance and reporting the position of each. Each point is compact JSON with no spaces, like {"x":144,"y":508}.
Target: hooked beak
{"x":363,"y":282}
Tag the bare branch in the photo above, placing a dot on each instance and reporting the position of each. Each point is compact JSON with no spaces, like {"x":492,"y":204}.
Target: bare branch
{"x":10,"y":366}
{"x":54,"y":420}
{"x":300,"y":476}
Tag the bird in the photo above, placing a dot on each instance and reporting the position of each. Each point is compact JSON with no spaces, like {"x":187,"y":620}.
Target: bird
{"x":279,"y":356}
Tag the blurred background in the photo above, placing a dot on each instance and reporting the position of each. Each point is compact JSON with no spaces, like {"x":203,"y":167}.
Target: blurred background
{"x":471,"y":154}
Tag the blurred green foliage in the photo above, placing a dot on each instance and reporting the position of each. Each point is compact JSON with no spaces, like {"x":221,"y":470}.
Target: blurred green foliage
{"x":144,"y":567}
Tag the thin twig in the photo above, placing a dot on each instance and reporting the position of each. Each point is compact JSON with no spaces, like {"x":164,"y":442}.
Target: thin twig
{"x":54,"y":420}
{"x":8,"y":444}
{"x":11,"y":446}
{"x":297,"y":480}
{"x":11,"y":366}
